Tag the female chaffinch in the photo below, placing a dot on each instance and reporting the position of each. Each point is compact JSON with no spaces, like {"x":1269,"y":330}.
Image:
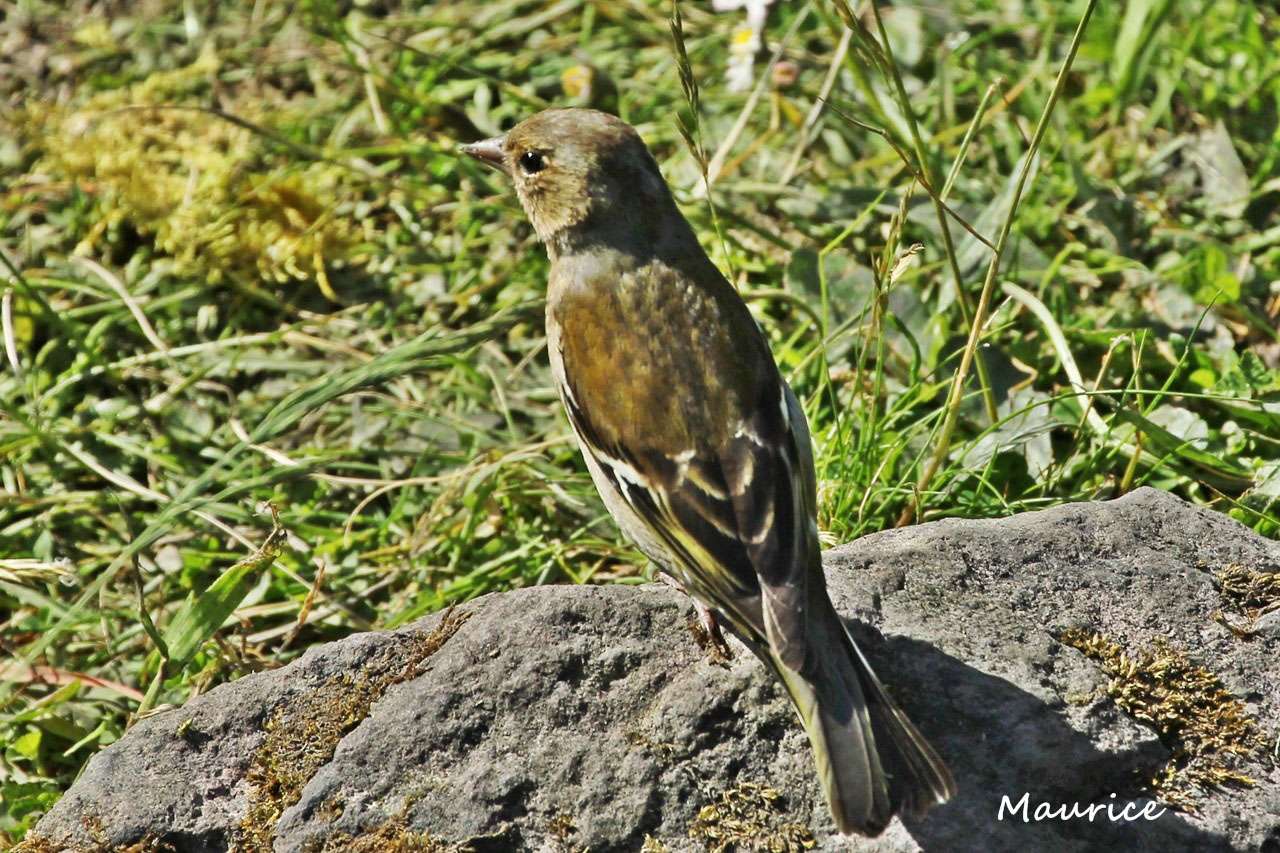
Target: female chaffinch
{"x":698,"y":447}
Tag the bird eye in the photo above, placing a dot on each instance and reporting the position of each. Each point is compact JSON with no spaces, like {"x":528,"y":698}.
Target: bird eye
{"x":532,"y":161}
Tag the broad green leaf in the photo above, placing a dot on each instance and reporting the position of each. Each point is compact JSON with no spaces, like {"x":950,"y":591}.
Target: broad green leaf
{"x":1208,"y":277}
{"x":1217,"y":472}
{"x":201,"y":616}
{"x":28,"y":745}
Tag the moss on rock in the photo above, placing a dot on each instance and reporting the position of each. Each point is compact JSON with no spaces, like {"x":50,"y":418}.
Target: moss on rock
{"x":1208,"y":730}
{"x":302,"y":737}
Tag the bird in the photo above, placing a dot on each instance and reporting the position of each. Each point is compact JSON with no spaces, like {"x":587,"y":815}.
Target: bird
{"x":697,"y":445}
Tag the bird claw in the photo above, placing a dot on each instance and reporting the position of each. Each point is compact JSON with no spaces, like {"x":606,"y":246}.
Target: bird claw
{"x":671,"y":581}
{"x":705,"y":628}
{"x":707,"y":634}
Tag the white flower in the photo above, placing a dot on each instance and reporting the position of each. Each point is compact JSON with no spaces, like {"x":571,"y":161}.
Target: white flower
{"x":745,"y":42}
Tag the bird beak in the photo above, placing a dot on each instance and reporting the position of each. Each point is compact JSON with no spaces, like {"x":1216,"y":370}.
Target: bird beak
{"x":489,"y":152}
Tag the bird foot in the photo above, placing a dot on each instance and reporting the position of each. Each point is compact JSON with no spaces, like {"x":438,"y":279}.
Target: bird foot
{"x":705,"y":627}
{"x":709,"y":639}
{"x":670,"y":581}
{"x":707,"y":634}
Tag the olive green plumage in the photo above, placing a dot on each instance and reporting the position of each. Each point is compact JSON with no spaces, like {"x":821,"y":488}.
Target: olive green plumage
{"x":698,"y":447}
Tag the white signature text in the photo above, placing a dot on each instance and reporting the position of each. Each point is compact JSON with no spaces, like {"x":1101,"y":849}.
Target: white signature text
{"x":1115,"y":811}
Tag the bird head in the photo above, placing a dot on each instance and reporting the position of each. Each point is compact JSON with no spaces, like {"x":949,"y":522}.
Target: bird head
{"x":577,"y":170}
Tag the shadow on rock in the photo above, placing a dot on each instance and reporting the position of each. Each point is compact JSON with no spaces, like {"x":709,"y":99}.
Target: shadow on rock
{"x":1002,"y":741}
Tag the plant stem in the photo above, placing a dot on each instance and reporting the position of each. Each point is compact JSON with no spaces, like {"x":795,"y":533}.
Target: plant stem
{"x":988,"y":285}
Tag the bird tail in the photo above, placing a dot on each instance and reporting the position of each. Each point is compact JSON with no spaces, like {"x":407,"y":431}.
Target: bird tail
{"x":871,"y":760}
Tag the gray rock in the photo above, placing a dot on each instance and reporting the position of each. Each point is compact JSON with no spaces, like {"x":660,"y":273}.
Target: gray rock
{"x":1268,"y":625}
{"x":563,"y":718}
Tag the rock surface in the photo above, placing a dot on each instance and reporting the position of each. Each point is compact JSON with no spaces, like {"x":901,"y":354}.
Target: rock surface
{"x":569,"y":718}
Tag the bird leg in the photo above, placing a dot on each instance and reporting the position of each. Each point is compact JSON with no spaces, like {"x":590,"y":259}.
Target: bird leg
{"x":706,"y":630}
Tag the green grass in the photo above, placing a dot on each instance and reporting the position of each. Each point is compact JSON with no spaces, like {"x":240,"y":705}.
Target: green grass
{"x":296,"y":293}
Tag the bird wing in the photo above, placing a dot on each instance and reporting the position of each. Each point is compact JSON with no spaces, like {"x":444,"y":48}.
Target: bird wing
{"x":724,"y":479}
